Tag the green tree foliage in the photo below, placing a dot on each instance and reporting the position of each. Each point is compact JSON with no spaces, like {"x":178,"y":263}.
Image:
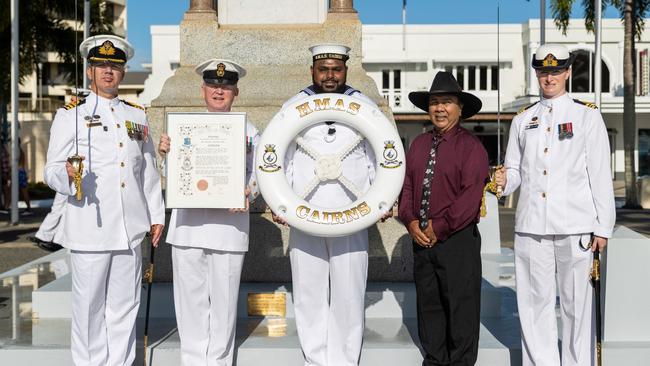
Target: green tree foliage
{"x":43,"y":28}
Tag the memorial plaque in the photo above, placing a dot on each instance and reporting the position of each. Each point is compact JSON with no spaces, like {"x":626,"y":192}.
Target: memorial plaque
{"x":267,"y":304}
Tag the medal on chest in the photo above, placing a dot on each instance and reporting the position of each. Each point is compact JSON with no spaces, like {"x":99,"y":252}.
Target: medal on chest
{"x":137,"y":131}
{"x":565,"y":130}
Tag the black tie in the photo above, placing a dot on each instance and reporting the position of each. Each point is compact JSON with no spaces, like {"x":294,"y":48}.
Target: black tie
{"x":426,"y":184}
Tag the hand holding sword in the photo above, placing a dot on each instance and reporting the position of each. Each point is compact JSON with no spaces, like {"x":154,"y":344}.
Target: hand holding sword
{"x":498,"y":180}
{"x":74,"y":167}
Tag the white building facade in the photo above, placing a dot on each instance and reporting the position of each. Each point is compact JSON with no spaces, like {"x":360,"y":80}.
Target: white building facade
{"x":401,"y":62}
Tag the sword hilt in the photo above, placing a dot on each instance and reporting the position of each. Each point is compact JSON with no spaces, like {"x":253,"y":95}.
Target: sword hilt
{"x":595,"y":268}
{"x":77,"y":164}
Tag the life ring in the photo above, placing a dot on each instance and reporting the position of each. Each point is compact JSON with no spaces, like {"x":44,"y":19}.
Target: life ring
{"x":368,"y":207}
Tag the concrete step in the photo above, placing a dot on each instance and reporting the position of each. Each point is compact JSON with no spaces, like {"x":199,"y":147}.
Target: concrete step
{"x":383,"y":299}
{"x":387,"y":341}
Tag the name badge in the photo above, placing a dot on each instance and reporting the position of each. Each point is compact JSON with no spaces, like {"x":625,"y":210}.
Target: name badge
{"x":92,"y":121}
{"x":532,"y":125}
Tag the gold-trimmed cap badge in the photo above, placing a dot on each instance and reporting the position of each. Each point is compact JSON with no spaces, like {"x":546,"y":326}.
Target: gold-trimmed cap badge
{"x":549,"y":61}
{"x":221,"y":69}
{"x":107,"y":49}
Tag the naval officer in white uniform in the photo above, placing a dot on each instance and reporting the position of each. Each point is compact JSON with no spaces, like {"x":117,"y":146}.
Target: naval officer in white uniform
{"x":208,"y":245}
{"x":121,"y":202}
{"x":559,"y":156}
{"x":329,"y":274}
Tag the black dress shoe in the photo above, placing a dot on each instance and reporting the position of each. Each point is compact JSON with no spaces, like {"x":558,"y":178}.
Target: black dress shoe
{"x":45,"y":245}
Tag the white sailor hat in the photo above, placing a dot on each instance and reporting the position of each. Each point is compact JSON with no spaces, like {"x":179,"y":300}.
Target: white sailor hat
{"x":552,"y":56}
{"x":330,"y":50}
{"x":219,"y":72}
{"x":106,"y":47}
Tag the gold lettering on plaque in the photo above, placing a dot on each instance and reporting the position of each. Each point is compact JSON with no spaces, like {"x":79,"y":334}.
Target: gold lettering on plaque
{"x":267,"y":304}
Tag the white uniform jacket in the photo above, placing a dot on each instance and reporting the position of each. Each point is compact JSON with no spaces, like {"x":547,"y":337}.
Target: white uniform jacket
{"x":358,"y":166}
{"x":122,"y":195}
{"x":566,"y":183}
{"x":217,"y":229}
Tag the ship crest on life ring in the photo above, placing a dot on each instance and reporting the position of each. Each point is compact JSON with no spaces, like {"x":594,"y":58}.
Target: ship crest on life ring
{"x":269,"y":160}
{"x":390,"y":156}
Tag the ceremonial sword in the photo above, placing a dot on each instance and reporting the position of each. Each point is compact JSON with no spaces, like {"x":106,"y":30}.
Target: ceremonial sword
{"x":595,"y":281}
{"x":148,"y":277}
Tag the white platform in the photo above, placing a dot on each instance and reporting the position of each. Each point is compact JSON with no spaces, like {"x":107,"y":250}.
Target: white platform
{"x":387,"y":341}
{"x":390,"y":335}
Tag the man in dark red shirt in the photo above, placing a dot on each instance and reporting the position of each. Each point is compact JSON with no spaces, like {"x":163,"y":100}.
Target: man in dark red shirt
{"x":446,"y":171}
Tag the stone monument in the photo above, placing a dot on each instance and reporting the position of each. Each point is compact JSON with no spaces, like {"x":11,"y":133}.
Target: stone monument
{"x":271,"y":40}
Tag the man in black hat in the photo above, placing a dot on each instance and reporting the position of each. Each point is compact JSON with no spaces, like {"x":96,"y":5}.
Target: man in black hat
{"x":446,"y":171}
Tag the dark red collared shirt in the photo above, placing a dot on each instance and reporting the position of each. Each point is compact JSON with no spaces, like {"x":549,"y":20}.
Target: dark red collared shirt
{"x":460,"y":174}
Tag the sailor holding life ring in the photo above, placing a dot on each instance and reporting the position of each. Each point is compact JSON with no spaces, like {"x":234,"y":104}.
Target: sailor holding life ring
{"x":329,"y":274}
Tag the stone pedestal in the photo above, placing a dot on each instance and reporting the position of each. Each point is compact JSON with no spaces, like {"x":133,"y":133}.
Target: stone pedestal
{"x":276,"y":57}
{"x":277,"y":60}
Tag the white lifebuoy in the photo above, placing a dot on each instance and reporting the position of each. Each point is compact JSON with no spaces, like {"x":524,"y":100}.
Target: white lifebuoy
{"x":369,"y":207}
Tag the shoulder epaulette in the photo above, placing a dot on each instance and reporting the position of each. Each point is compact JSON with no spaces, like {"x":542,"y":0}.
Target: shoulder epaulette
{"x":76,"y":103}
{"x":587,"y":104}
{"x":132,"y":104}
{"x":523,"y":109}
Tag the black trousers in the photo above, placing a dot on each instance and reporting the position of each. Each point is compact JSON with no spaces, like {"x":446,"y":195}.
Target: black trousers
{"x":448,"y":287}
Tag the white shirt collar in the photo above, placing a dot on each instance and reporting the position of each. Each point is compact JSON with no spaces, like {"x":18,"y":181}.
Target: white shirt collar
{"x":101,"y":101}
{"x":555,"y":102}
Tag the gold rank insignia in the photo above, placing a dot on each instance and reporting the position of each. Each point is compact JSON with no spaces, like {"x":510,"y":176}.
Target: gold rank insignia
{"x":74,"y":104}
{"x":549,"y":61}
{"x":586,"y":104}
{"x":524,"y":109}
{"x":107,"y":49}
{"x":221,"y":70}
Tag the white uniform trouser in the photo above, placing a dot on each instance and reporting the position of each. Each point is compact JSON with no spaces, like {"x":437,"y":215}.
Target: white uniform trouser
{"x":206,"y":287}
{"x":538,"y":261}
{"x":52,"y":225}
{"x":105,"y":302}
{"x":329,"y":284}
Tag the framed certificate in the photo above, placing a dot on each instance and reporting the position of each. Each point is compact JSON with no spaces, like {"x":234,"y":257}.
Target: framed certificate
{"x":206,"y":163}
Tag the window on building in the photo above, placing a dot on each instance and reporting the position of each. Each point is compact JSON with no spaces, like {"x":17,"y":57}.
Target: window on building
{"x":643,"y":72}
{"x":397,"y":79}
{"x":482,"y":77}
{"x":471,"y":78}
{"x":475,"y":77}
{"x":385,"y":79}
{"x":644,"y":151}
{"x":460,"y":76}
{"x":582,"y":74}
{"x":495,"y":77}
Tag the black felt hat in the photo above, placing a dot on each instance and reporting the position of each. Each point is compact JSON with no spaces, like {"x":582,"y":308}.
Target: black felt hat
{"x":445,"y":83}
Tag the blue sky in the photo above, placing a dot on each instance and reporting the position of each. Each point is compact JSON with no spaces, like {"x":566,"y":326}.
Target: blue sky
{"x":144,"y":13}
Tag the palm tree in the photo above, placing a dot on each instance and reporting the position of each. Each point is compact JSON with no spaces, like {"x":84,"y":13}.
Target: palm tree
{"x":632,"y":14}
